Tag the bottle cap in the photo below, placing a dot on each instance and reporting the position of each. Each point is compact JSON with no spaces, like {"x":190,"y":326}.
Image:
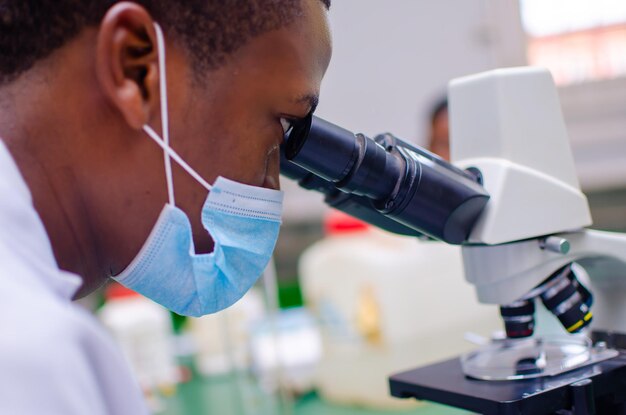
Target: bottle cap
{"x":337,"y":222}
{"x":117,"y":291}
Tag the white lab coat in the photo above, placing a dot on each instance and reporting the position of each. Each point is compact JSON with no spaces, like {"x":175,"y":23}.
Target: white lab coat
{"x":55,"y":358}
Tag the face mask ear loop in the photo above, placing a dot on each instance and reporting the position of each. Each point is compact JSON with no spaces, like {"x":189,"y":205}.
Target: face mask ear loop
{"x":164,"y":143}
{"x":165,"y":128}
{"x":174,"y":155}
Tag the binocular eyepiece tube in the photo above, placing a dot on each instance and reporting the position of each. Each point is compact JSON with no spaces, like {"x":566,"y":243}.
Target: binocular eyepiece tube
{"x":393,"y":179}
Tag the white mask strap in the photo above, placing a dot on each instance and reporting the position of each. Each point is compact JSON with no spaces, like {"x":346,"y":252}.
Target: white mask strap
{"x":164,"y":143}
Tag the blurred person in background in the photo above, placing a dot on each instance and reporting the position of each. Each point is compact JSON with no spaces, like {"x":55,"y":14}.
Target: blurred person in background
{"x":439,"y":135}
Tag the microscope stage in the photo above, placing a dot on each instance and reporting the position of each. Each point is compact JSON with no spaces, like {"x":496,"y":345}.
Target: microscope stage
{"x":445,"y":383}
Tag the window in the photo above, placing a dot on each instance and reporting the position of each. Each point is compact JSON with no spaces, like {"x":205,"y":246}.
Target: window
{"x":578,"y":40}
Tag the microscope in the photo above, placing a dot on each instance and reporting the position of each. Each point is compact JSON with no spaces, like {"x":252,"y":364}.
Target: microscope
{"x":513,"y":202}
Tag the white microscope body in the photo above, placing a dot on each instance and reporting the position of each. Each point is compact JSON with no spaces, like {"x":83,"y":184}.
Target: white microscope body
{"x":508,"y":124}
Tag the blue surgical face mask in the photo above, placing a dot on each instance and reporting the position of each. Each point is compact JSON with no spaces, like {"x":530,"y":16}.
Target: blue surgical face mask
{"x":242,"y":220}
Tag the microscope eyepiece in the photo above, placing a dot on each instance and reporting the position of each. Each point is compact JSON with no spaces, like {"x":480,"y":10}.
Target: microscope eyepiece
{"x":354,"y":163}
{"x":403,"y":183}
{"x":357,"y":206}
{"x":296,"y":136}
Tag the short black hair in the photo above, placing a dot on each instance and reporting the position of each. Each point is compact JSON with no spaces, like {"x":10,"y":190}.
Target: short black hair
{"x":210,"y":30}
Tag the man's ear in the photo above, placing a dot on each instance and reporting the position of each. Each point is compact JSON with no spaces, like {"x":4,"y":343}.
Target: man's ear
{"x":127,"y":62}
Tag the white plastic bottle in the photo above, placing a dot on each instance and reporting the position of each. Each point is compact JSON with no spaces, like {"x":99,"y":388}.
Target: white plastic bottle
{"x":143,"y":330}
{"x":386,"y":303}
{"x":222,"y":339}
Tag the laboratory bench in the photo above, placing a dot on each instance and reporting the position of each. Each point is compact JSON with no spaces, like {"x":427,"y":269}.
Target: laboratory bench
{"x":239,"y":394}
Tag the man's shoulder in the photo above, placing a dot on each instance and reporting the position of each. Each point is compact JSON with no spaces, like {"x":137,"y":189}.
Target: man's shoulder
{"x":33,"y":314}
{"x":56,"y":350}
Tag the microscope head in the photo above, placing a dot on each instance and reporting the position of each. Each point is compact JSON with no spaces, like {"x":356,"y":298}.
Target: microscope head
{"x":508,"y":125}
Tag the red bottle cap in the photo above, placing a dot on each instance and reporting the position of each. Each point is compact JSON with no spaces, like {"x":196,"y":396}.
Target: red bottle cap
{"x":337,"y":222}
{"x":116,"y":291}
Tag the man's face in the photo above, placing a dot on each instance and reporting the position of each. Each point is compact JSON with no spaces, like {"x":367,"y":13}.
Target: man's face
{"x":98,"y":181}
{"x":228,"y":122}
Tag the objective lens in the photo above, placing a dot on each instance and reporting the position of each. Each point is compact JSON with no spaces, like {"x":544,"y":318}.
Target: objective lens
{"x":568,"y":300}
{"x":519,"y":318}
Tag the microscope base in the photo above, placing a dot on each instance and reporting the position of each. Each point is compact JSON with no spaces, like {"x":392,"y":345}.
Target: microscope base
{"x":599,"y":388}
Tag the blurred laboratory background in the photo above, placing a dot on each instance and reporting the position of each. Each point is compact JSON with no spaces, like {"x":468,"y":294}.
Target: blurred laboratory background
{"x":344,"y":305}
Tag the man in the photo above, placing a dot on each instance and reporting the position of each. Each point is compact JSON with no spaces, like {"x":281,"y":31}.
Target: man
{"x":86,"y":93}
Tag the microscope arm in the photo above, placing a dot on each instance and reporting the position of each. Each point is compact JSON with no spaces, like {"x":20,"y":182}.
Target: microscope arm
{"x":504,"y":273}
{"x":602,"y":254}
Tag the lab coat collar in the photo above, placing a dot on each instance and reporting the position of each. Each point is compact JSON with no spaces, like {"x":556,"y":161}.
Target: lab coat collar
{"x":23,"y":234}
{"x":68,"y":284}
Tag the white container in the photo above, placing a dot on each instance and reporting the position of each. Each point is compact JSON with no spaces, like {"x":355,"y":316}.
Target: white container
{"x":143,"y":329}
{"x":386,"y":303}
{"x":222,"y":339}
{"x":286,"y":348}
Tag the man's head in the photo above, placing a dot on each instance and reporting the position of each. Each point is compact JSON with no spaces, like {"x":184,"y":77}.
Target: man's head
{"x":209,"y":30}
{"x":79,"y":78}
